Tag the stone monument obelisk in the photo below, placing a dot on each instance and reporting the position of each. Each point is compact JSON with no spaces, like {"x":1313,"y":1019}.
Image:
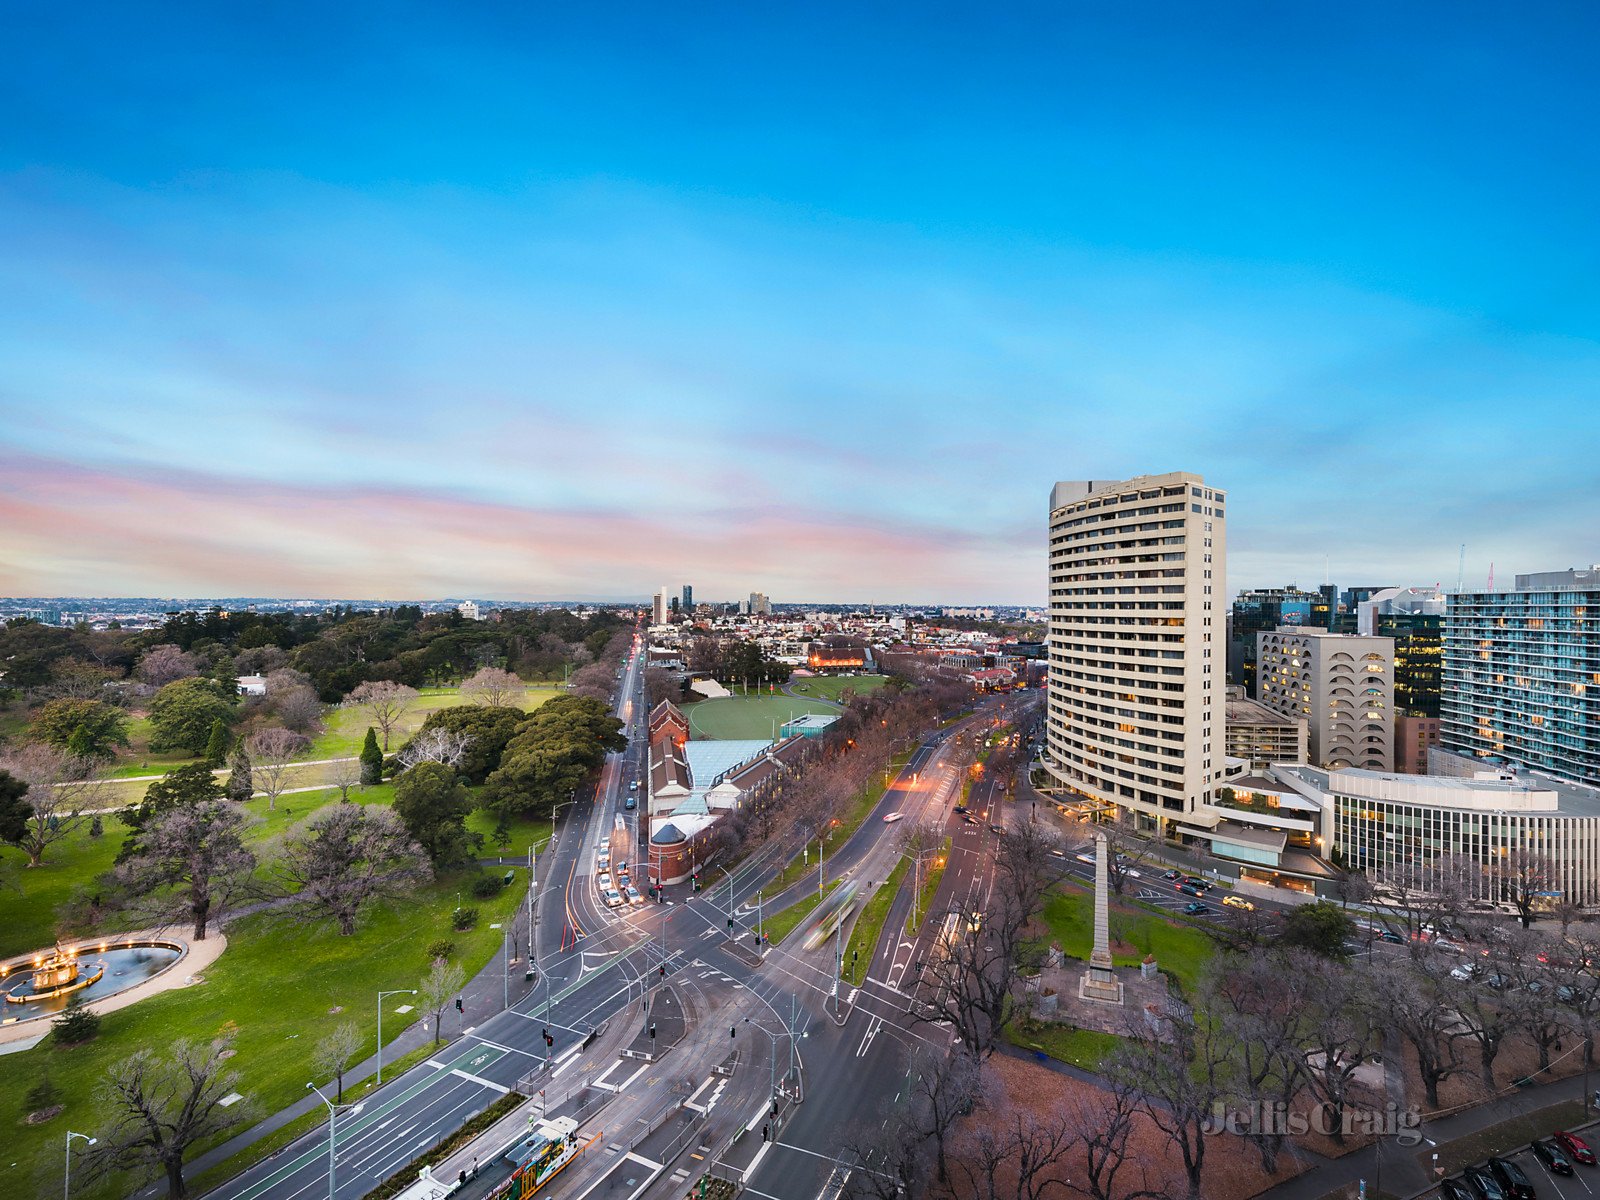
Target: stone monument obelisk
{"x":1100,"y":981}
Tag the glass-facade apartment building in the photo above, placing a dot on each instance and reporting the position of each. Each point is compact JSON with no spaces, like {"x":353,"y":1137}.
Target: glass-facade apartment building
{"x":1522,"y":675}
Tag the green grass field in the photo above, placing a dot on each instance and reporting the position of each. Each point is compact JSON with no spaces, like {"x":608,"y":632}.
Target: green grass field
{"x":1085,"y":1048}
{"x":1181,"y":949}
{"x":284,"y":983}
{"x":738,"y":717}
{"x":778,"y":926}
{"x":345,"y":728}
{"x":830,"y":687}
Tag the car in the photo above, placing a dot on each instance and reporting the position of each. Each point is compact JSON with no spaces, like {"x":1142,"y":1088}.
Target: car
{"x":1576,"y":1148}
{"x":1196,"y":881}
{"x":623,"y":880}
{"x":1188,"y":890}
{"x":1553,"y":1157}
{"x":996,"y":829}
{"x":633,"y":894}
{"x":1194,"y":908}
{"x":634,"y":786}
{"x":630,"y":804}
{"x":605,"y":845}
{"x":603,"y":862}
{"x":1449,"y":1189}
{"x":1465,"y":971}
{"x":1484,"y":1185}
{"x":604,"y":880}
{"x":613,"y":898}
{"x":1390,"y":935}
{"x":1058,"y":854}
{"x":622,"y":866}
{"x":961,"y":808}
{"x":1511,"y":1179}
{"x":969,"y":819}
{"x":1238,"y":902}
{"x":1169,"y":876}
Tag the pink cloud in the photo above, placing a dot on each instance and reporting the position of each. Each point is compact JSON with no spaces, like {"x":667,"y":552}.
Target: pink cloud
{"x":75,"y":529}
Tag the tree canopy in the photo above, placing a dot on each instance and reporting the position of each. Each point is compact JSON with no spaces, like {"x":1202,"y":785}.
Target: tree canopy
{"x":551,"y":754}
{"x":433,"y":805}
{"x":182,"y":713}
{"x":86,"y":728}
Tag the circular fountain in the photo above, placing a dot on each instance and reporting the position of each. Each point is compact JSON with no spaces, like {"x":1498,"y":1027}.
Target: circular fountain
{"x":80,"y":973}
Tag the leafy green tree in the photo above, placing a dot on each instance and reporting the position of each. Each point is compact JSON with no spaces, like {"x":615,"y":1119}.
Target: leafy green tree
{"x":241,"y":779}
{"x":488,"y":730}
{"x":187,"y":786}
{"x":371,"y":759}
{"x":85,"y":728}
{"x":551,"y":754}
{"x":216,"y":751}
{"x":182,"y":713}
{"x":433,"y":804}
{"x":1323,"y":928}
{"x":15,"y":810}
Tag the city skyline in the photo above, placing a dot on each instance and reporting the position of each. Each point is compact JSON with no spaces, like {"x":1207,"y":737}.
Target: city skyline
{"x":533,"y":305}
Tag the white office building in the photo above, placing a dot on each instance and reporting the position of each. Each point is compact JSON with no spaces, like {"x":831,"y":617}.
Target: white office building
{"x":1342,"y":684}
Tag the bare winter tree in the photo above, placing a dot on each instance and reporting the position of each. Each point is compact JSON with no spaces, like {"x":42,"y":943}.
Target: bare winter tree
{"x":62,"y":791}
{"x":439,"y":989}
{"x":334,"y":1052}
{"x":1018,"y":1156}
{"x":344,"y":774}
{"x":297,"y":707}
{"x":162,"y":665}
{"x":1128,"y":852}
{"x":385,"y":702}
{"x":494,"y":688}
{"x":346,"y":856}
{"x":946,"y":1088}
{"x":271,"y":753}
{"x":191,"y":863}
{"x":1179,"y":1073}
{"x":1101,"y":1126}
{"x":1525,"y":880}
{"x":447,"y":746}
{"x":159,"y":1107}
{"x":889,"y":1160}
{"x":1421,"y":1011}
{"x":1340,"y":1032}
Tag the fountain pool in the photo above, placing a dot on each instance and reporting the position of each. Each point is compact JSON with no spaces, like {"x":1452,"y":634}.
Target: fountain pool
{"x":45,"y":983}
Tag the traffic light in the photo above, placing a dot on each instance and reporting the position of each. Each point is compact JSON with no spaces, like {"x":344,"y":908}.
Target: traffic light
{"x":697,"y":881}
{"x":652,"y":1030}
{"x":730,"y":924}
{"x":733,"y":1031}
{"x":663,"y":969}
{"x":545,"y":1034}
{"x":549,"y":1042}
{"x":460,"y":1007}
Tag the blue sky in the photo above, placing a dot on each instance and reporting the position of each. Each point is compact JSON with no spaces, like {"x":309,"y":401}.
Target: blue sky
{"x":535,"y":301}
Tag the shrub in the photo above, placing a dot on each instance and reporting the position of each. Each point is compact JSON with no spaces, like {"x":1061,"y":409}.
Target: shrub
{"x":97,"y":827}
{"x":75,"y":1026}
{"x":42,"y":1095}
{"x":463,"y":918}
{"x":485,"y":886}
{"x":441,"y":949}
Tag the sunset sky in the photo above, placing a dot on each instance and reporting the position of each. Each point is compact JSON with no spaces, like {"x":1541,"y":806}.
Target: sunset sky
{"x":538,"y":301}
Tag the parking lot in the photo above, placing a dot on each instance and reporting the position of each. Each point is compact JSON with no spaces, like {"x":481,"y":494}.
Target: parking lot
{"x":1582,"y":1185}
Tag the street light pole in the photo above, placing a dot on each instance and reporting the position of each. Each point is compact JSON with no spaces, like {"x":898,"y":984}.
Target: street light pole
{"x":66,"y":1188}
{"x":332,"y":1113}
{"x":381,"y":995}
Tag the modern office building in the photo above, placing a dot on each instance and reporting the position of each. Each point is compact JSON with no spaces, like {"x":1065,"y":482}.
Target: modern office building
{"x":688,"y":600}
{"x":760,"y":606}
{"x":1522,"y":674}
{"x":1262,"y":609}
{"x":660,"y":606}
{"x":1343,"y":684}
{"x":1137,"y":576}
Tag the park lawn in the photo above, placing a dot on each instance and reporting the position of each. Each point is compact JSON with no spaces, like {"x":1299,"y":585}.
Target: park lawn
{"x":781,"y":925}
{"x":869,"y":924}
{"x":30,"y":896}
{"x":830,"y":687}
{"x":346,"y":728}
{"x":1179,"y":948}
{"x":752,"y":717}
{"x":283,"y":983}
{"x":1085,"y":1048}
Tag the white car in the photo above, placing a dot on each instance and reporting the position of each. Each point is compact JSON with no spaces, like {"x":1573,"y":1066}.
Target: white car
{"x":613,"y":898}
{"x":605,"y":880}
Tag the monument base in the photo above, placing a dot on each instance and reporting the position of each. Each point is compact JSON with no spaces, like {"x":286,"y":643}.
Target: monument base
{"x":1100,"y":986}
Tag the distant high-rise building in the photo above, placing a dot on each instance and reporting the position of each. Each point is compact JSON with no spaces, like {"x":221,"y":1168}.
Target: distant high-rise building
{"x":1343,"y":684}
{"x":688,"y":600}
{"x":1522,"y":674}
{"x":469,"y":610}
{"x":1137,"y":578}
{"x":760,"y":606}
{"x":660,"y":606}
{"x":1265,"y":608}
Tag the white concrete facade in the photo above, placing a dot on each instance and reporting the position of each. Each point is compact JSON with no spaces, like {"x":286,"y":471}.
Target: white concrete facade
{"x":1137,"y":573}
{"x":1342,"y":683}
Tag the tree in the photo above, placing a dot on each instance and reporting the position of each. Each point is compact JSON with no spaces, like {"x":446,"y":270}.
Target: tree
{"x":59,"y":789}
{"x":216,"y":751}
{"x":1180,"y":1080}
{"x":188,"y":786}
{"x":271,"y":752}
{"x":1415,"y":1005}
{"x":344,"y":774}
{"x":334,"y":1052}
{"x":1127,"y":852}
{"x":241,"y":776}
{"x":162,"y":665}
{"x":86,"y":728}
{"x":14,"y":809}
{"x":1322,"y":927}
{"x":445,"y":746}
{"x":439,"y":989}
{"x":190,"y":862}
{"x":384,"y":702}
{"x":1525,"y":879}
{"x":551,"y":754}
{"x":486,"y":730}
{"x":1341,"y":1032}
{"x":181,"y":714}
{"x":494,"y":688}
{"x":434,"y":805}
{"x":371,"y":760}
{"x":159,"y":1107}
{"x":1100,"y":1127}
{"x":346,"y":856}
{"x":297,"y":707}
{"x":659,"y":685}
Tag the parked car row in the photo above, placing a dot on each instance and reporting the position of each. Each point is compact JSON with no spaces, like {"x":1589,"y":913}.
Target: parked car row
{"x":1503,"y":1179}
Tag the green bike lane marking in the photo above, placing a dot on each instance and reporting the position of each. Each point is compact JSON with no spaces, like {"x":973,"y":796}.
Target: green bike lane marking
{"x":476,"y":1058}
